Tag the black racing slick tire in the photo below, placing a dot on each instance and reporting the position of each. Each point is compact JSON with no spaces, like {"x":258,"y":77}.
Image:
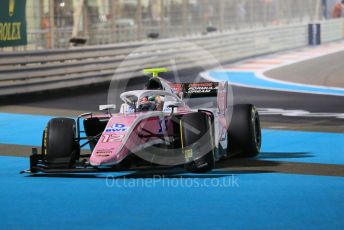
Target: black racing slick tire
{"x":244,"y":132}
{"x":59,"y":148}
{"x":197,"y":138}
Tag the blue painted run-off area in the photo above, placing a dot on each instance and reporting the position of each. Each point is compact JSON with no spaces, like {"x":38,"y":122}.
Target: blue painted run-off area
{"x":250,"y":79}
{"x":22,"y":129}
{"x":218,"y":200}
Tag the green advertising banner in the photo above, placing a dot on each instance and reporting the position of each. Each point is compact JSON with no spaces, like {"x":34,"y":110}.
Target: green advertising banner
{"x":12,"y":23}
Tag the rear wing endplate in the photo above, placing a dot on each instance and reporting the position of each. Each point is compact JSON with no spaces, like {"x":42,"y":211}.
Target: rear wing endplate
{"x":199,"y":89}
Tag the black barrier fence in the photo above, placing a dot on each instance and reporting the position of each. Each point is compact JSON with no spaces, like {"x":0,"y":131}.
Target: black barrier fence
{"x":314,"y":34}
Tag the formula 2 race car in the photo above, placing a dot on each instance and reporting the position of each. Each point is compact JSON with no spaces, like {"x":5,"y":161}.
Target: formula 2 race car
{"x":154,"y":128}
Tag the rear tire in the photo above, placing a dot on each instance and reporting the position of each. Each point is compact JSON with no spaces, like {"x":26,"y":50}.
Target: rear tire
{"x":244,"y":132}
{"x":197,"y":131}
{"x":59,"y":147}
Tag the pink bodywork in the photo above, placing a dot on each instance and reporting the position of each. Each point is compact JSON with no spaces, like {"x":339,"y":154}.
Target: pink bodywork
{"x":123,"y":133}
{"x":126,"y":132}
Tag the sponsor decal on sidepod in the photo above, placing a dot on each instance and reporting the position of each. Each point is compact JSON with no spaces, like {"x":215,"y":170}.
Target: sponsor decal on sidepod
{"x":117,"y":128}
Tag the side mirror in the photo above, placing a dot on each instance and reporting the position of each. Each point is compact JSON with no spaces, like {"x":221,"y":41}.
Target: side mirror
{"x":174,"y":104}
{"x":106,"y":107}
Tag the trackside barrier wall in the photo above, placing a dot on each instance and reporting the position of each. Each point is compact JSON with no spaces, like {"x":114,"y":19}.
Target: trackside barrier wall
{"x":332,"y":30}
{"x":25,"y":72}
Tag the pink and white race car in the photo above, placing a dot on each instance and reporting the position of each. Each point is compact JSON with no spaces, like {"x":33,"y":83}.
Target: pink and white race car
{"x":154,"y":128}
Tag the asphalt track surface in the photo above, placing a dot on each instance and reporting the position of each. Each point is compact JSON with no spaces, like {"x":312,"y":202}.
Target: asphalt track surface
{"x":313,"y":72}
{"x":295,"y":183}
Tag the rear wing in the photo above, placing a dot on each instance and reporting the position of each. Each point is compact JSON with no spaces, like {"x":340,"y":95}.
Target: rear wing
{"x":199,"y":89}
{"x":204,"y":89}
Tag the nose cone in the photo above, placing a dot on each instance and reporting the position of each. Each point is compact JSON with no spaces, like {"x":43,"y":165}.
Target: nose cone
{"x":98,"y":158}
{"x":94,"y":161}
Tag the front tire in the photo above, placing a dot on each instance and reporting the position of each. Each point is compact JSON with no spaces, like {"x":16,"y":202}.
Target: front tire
{"x":59,"y":148}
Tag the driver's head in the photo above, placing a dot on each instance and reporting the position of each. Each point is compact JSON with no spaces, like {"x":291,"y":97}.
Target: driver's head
{"x":146,"y":105}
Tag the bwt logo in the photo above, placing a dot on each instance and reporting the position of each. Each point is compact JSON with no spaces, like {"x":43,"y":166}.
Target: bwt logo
{"x":117,"y":128}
